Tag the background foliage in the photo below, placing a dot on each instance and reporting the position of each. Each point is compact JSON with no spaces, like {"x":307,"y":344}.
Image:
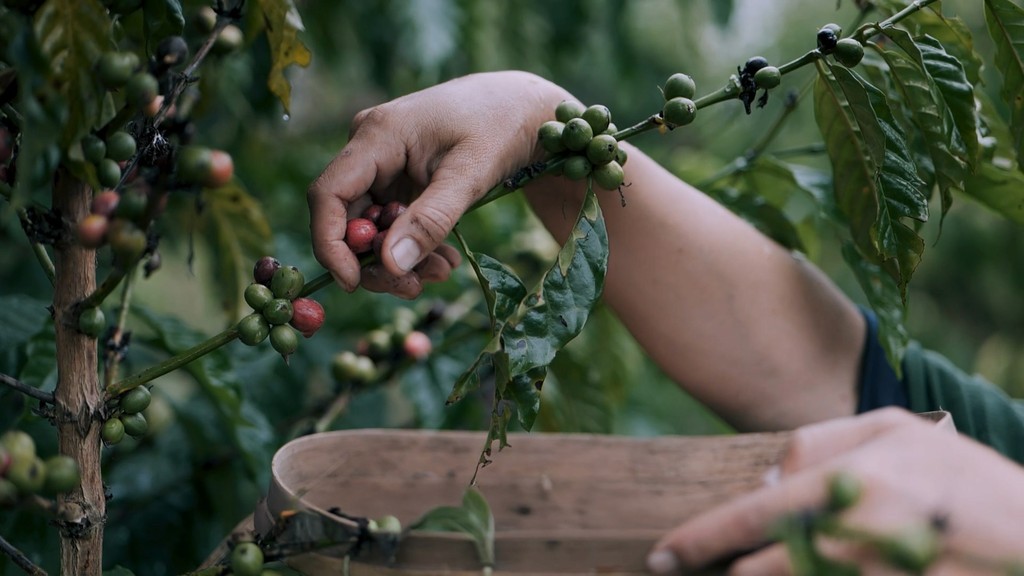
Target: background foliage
{"x":181,"y":489}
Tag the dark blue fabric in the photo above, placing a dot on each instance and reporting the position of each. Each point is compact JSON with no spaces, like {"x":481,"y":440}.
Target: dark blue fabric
{"x":879,"y":385}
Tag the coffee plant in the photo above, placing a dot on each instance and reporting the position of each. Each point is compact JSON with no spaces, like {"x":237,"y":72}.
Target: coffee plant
{"x":103,"y":154}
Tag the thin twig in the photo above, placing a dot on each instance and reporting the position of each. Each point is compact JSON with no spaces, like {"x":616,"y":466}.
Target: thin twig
{"x":40,"y":251}
{"x":19,"y":559}
{"x":26,"y":389}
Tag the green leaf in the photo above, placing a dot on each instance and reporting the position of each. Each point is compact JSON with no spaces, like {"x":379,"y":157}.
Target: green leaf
{"x":161,"y":18}
{"x":72,"y":34}
{"x":951,"y":80}
{"x":929,"y":114}
{"x":954,"y":35}
{"x":21,"y":317}
{"x":886,"y":299}
{"x":503,"y":290}
{"x":1006,"y":26}
{"x":764,"y":216}
{"x":238,"y":233}
{"x":1000,"y":189}
{"x":283,"y":24}
{"x":473,"y":518}
{"x":874,"y":192}
{"x":40,"y":369}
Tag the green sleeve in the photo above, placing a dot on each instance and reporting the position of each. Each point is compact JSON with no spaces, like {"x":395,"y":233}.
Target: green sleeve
{"x":979,"y":409}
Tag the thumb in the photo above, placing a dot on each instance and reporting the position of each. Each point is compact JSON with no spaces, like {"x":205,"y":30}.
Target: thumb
{"x":432,"y":216}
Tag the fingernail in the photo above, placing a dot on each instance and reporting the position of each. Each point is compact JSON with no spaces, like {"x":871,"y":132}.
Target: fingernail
{"x":406,"y":253}
{"x":340,"y":282}
{"x":663,"y":562}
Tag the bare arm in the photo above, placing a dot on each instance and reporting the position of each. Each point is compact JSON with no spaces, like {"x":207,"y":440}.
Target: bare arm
{"x":761,"y":337}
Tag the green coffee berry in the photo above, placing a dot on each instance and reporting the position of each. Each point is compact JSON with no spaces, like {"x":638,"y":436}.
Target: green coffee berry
{"x":598,"y":116}
{"x":114,"y":69}
{"x":768,"y":77}
{"x":577,"y":134}
{"x":679,"y":85}
{"x":679,"y":111}
{"x":120,"y":146}
{"x":844,"y":490}
{"x":112,"y":431}
{"x":848,"y":52}
{"x":91,"y":322}
{"x":621,"y":156}
{"x":141,"y":89}
{"x":19,"y":445}
{"x":550,"y":136}
{"x":287,"y":282}
{"x":29,"y":476}
{"x":108,"y":173}
{"x":246,"y":559}
{"x":257,"y":296}
{"x":135,"y":400}
{"x":568,"y":109}
{"x":278,"y":311}
{"x":94,"y":148}
{"x":602,"y":149}
{"x":284,"y":339}
{"x":135,"y":425}
{"x":609,"y":176}
{"x":577,"y":168}
{"x":62,"y":474}
{"x":253,"y":329}
{"x":913,"y":550}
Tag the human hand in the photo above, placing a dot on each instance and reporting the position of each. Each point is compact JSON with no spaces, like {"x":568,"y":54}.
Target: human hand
{"x":912,"y":474}
{"x":439,"y":150}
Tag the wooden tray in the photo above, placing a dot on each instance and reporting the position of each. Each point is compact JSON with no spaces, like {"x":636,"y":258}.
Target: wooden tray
{"x":562,"y":503}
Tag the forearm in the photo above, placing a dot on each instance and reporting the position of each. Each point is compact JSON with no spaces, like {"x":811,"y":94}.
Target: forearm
{"x":758,"y":335}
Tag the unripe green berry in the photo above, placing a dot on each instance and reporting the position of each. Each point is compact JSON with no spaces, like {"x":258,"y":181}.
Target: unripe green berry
{"x":768,"y":77}
{"x":112,"y":431}
{"x":108,"y":173}
{"x":679,"y":85}
{"x":29,"y":476}
{"x":135,"y":400}
{"x":62,"y":474}
{"x":141,"y":89}
{"x":91,"y":322}
{"x":135,"y":425}
{"x":844,"y":490}
{"x":577,"y":134}
{"x":609,"y":176}
{"x":913,"y":549}
{"x":19,"y":445}
{"x":598,"y":116}
{"x":621,"y":156}
{"x":550,"y":136}
{"x":577,"y":168}
{"x":257,"y":296}
{"x":602,"y":149}
{"x":246,"y":559}
{"x":284,"y":339}
{"x":679,"y":111}
{"x":287,"y":282}
{"x":568,"y":109}
{"x":253,"y":329}
{"x":278,"y":311}
{"x":120,"y":146}
{"x":848,"y":52}
{"x":94,"y":148}
{"x":114,"y":69}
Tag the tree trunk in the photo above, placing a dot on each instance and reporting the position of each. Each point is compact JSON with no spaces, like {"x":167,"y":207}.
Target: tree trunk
{"x":78,"y":396}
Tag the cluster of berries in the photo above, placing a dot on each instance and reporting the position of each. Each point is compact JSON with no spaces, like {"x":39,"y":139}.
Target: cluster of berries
{"x":126,"y":416}
{"x":586,"y":135}
{"x":278,"y":310}
{"x":24,"y":473}
{"x":367,"y":232}
{"x":384,"y":346}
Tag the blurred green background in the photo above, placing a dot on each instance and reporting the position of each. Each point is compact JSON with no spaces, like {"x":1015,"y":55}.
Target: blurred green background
{"x":178,"y":491}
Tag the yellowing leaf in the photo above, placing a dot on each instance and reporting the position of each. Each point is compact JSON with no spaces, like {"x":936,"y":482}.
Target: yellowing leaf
{"x":283,"y":25}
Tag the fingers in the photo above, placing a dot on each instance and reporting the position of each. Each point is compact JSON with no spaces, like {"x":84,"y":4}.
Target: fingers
{"x":817,"y":443}
{"x":454,"y":187}
{"x":436,"y":267}
{"x":771,"y":561}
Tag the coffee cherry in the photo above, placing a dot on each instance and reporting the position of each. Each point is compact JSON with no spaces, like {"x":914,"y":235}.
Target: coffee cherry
{"x":598,"y":116}
{"x":105,"y":203}
{"x":264,"y":270}
{"x":849,"y":52}
{"x":768,"y":77}
{"x":287,"y":282}
{"x":112,"y":431}
{"x":257,"y":296}
{"x":307,"y":316}
{"x":91,"y":322}
{"x":171,"y":51}
{"x":92,"y":230}
{"x":120,"y":146}
{"x":229,"y":40}
{"x":114,"y":69}
{"x":378,"y":342}
{"x":912,"y":550}
{"x":372,"y":213}
{"x":378,"y":241}
{"x":679,"y":111}
{"x":193,"y":163}
{"x":222,"y":169}
{"x":205,"y":20}
{"x":135,"y":425}
{"x":417,"y":345}
{"x":8,"y":493}
{"x":387,"y":525}
{"x":108,"y":173}
{"x":568,"y":109}
{"x":253,"y":329}
{"x":278,"y":311}
{"x":28,"y":476}
{"x":94,"y":148}
{"x":609,"y":176}
{"x":577,"y":167}
{"x":621,"y":156}
{"x":19,"y":445}
{"x":679,"y":85}
{"x":62,"y":475}
{"x":132,"y":206}
{"x":141,"y":89}
{"x":127,"y":241}
{"x":844,"y":490}
{"x":827,"y":37}
{"x":359,"y":233}
{"x":347,"y":366}
{"x":246,"y":559}
{"x":135,"y":400}
{"x":754,"y":64}
{"x":284,"y":339}
{"x":577,"y":134}
{"x":389,"y":213}
{"x":602,"y":149}
{"x":550,"y":136}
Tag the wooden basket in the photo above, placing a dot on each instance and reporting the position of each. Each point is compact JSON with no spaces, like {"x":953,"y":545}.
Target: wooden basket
{"x":562,"y":503}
